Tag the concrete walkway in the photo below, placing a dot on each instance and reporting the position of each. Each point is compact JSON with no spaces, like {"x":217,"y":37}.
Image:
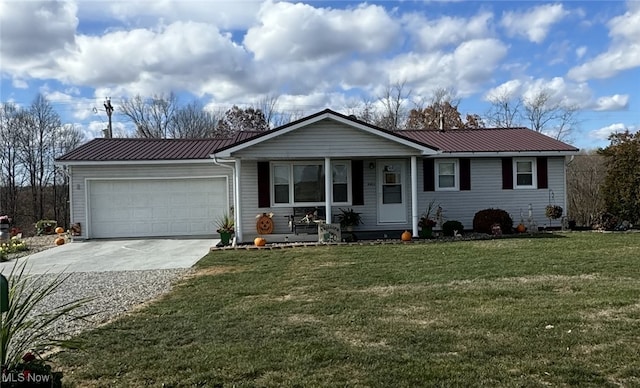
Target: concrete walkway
{"x":116,"y":255}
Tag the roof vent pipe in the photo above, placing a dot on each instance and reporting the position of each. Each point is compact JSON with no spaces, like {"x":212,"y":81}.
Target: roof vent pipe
{"x":441,"y":122}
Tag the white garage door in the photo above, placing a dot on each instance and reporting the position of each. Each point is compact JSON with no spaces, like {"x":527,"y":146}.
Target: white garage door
{"x":156,"y":207}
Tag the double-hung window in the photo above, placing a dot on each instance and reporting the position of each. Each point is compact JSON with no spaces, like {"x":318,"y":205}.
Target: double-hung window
{"x":447,"y":174}
{"x":524,"y":171}
{"x":303,"y":183}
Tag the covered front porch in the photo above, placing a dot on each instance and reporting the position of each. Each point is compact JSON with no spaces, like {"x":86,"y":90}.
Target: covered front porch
{"x":383,"y":190}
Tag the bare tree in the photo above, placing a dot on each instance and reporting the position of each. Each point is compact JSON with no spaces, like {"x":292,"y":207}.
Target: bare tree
{"x":585,"y":176}
{"x":394,"y":114}
{"x":10,"y":168}
{"x":151,"y":116}
{"x":237,"y":119}
{"x":545,"y":115}
{"x":505,"y":111}
{"x":363,"y":110}
{"x":441,"y":113}
{"x":66,"y":138}
{"x":192,"y":122}
{"x":36,"y":150}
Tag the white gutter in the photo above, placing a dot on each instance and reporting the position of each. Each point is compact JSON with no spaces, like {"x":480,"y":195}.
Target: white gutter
{"x":236,"y":209}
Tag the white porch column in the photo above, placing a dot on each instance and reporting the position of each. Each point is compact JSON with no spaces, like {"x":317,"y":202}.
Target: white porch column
{"x":237,"y":209}
{"x":328,"y":178}
{"x":414,"y":195}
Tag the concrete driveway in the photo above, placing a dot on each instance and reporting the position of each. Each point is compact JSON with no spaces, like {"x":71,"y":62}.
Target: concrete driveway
{"x":116,"y":255}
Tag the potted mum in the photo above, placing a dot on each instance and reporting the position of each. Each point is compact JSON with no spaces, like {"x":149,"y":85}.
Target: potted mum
{"x":225,"y":227}
{"x":426,"y":222}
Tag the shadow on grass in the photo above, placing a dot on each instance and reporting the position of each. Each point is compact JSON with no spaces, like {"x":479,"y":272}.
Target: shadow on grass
{"x":535,"y":235}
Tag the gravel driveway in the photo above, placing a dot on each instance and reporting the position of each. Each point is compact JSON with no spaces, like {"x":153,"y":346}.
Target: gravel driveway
{"x":113,"y":293}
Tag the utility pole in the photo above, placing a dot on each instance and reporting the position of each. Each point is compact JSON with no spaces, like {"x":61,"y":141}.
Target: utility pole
{"x":109,"y":108}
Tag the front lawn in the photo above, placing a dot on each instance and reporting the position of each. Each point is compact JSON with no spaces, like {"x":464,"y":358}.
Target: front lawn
{"x":508,"y":312}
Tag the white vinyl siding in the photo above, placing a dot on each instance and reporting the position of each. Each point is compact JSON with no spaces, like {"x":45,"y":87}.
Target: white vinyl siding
{"x":486,"y":193}
{"x":326,"y":138}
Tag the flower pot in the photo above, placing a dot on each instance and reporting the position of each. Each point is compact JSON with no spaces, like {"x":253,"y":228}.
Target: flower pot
{"x":426,"y":232}
{"x":225,"y":237}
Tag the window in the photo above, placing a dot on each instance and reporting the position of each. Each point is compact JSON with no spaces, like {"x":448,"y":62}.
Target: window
{"x":281,"y":178}
{"x":447,"y":175}
{"x":524,"y":173}
{"x":340,"y":183}
{"x":296,"y":183}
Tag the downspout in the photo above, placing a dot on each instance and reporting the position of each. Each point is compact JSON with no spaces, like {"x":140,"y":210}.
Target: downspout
{"x":236,"y":208}
{"x":414,"y":196}
{"x":566,"y":195}
{"x":66,"y":170}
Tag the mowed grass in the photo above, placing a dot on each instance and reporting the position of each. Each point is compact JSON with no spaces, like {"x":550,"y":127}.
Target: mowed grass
{"x":510,"y":312}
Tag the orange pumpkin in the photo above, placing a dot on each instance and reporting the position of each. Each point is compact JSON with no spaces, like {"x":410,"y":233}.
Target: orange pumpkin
{"x":259,"y":241}
{"x":406,"y":236}
{"x":521,"y":228}
{"x":59,"y":230}
{"x":59,"y":241}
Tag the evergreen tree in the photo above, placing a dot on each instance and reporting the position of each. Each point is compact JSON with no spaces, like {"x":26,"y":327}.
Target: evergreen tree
{"x":621,"y":188}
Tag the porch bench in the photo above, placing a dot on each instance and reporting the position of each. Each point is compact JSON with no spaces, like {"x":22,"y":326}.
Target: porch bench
{"x":303,"y":219}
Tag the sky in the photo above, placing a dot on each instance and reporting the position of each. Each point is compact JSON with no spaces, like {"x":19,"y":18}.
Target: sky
{"x":332,"y":54}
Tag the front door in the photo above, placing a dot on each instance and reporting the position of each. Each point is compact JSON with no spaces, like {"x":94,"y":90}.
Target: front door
{"x":392,"y":207}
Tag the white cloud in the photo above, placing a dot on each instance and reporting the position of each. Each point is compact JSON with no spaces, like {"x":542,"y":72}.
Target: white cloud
{"x":623,"y":53}
{"x":19,"y":83}
{"x":535,"y":23}
{"x":35,"y":28}
{"x":508,"y":90}
{"x":612,"y":103}
{"x":581,"y":51}
{"x":448,"y":30}
{"x":466,"y":69}
{"x":145,"y":61}
{"x":299,"y":32}
{"x":561,"y":91}
{"x":605,"y":132}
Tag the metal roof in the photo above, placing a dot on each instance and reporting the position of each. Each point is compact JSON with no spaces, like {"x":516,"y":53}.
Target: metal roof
{"x":502,"y":140}
{"x":488,"y":140}
{"x":102,"y":150}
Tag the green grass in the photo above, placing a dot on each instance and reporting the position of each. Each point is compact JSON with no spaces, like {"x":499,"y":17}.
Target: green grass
{"x":443,"y":314}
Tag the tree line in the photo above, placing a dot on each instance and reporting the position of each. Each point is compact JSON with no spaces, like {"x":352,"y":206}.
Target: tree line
{"x":32,"y":188}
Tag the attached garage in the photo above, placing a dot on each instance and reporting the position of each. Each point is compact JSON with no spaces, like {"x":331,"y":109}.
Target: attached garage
{"x":155,"y":207}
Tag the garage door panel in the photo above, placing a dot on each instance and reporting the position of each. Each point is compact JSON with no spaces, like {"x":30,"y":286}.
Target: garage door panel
{"x":156,"y":207}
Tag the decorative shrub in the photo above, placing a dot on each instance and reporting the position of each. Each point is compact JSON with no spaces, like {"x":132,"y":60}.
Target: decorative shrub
{"x":449,"y":227}
{"x":484,"y":219}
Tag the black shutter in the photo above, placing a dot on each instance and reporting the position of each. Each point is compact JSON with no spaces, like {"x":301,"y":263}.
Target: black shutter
{"x":357,"y":182}
{"x":543,"y":174}
{"x":465,"y":174}
{"x":264,"y":185}
{"x":428,"y":175}
{"x":507,"y":173}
